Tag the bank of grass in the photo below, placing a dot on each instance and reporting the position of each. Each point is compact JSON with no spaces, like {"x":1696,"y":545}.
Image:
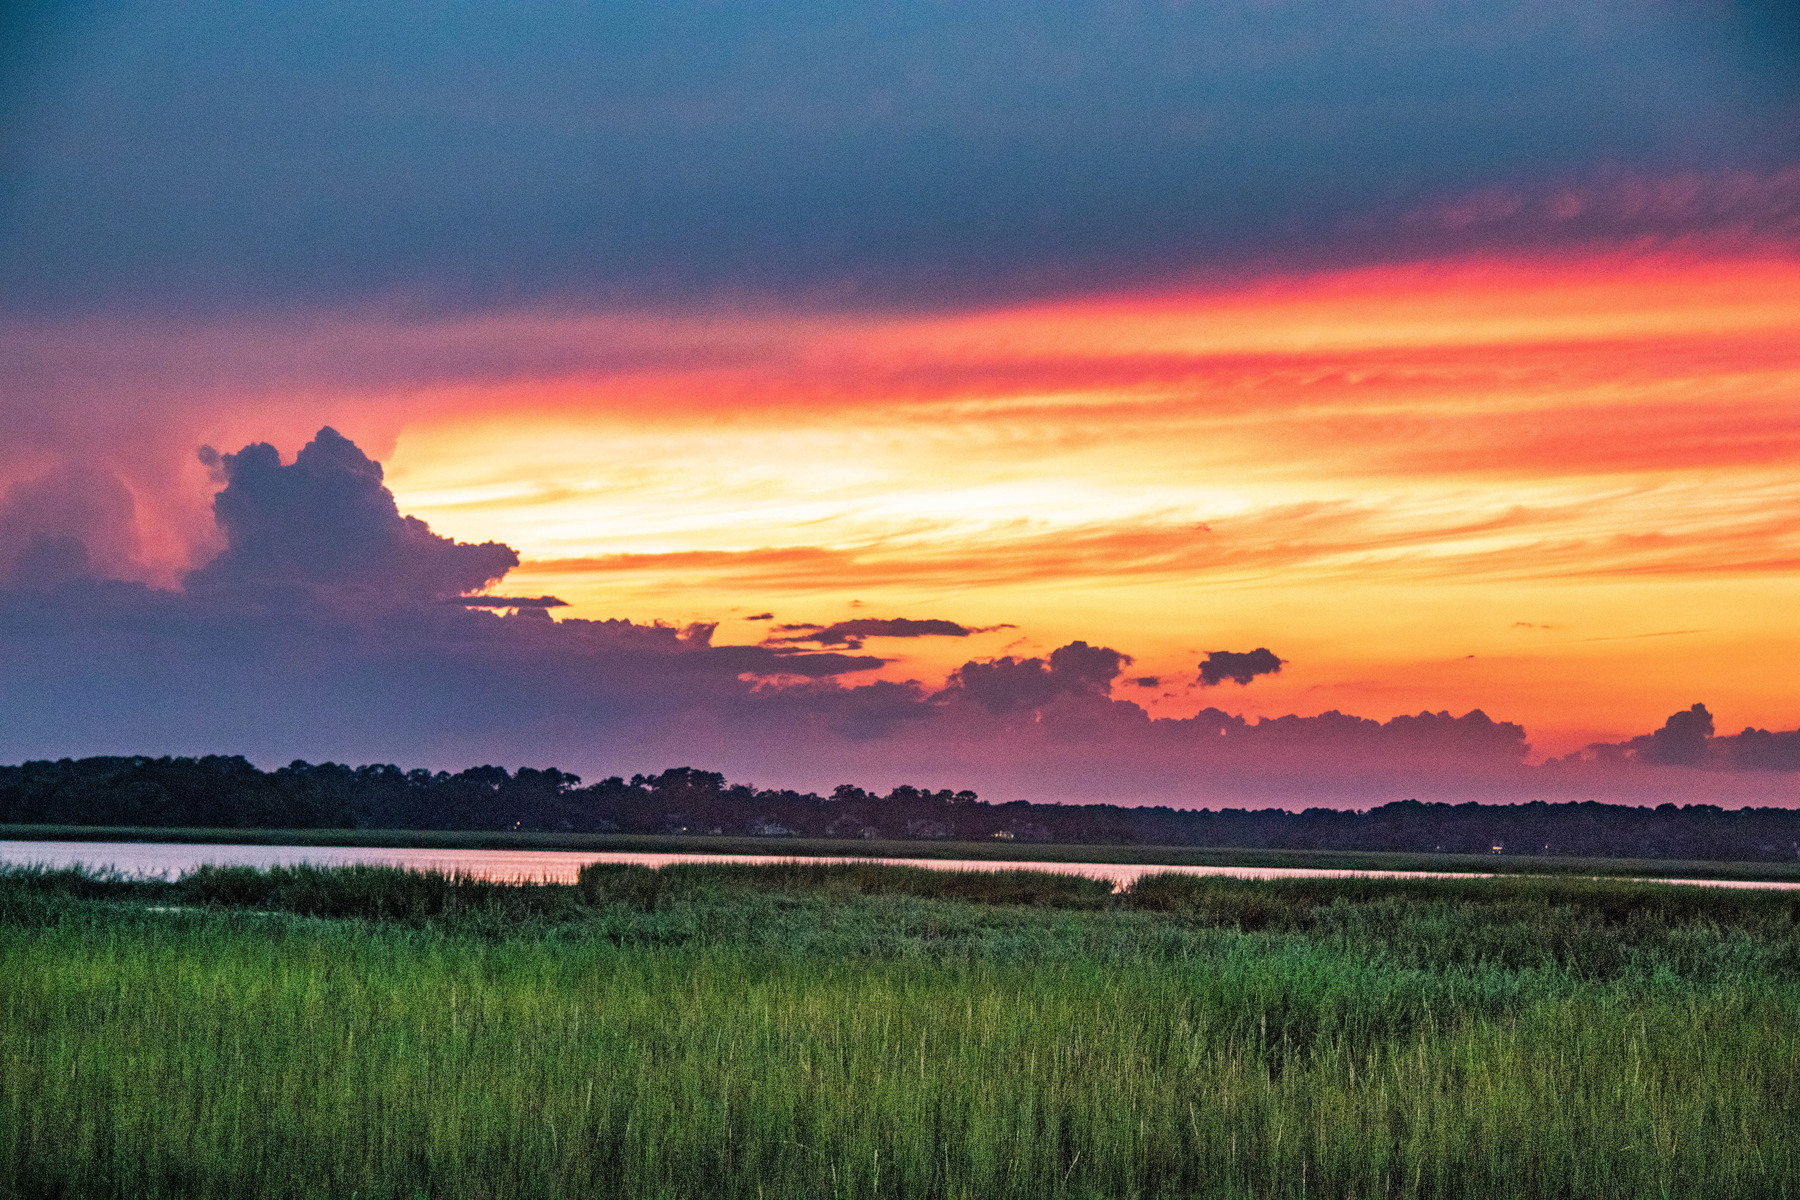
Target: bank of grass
{"x":985,"y":851}
{"x":816,"y":1030}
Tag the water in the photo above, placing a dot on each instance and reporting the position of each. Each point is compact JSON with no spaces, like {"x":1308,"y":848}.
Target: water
{"x":171,"y":859}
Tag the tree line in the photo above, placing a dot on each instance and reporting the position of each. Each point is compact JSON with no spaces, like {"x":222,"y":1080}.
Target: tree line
{"x":217,"y":791}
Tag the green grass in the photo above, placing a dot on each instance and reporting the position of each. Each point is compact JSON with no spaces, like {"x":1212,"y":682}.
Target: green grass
{"x":802,"y":1030}
{"x":989,"y":851}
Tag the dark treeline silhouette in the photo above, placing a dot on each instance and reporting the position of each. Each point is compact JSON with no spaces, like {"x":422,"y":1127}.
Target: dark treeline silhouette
{"x":229,"y":792}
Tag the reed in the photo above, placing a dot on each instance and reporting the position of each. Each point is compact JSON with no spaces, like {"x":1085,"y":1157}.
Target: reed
{"x":771,"y":1031}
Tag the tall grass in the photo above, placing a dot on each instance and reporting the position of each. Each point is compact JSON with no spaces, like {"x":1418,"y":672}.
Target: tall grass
{"x":822,"y":1032}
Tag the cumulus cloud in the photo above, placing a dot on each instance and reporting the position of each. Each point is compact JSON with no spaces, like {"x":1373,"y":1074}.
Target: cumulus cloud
{"x":1239,"y":667}
{"x":1682,"y":740}
{"x":327,"y":520}
{"x":1008,"y":684}
{"x":1688,"y":739}
{"x":1762,"y":750}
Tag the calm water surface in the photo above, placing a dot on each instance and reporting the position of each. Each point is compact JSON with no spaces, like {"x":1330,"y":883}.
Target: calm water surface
{"x":170,"y":859}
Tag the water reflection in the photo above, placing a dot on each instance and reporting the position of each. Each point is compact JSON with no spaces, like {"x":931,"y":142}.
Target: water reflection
{"x":170,"y":859}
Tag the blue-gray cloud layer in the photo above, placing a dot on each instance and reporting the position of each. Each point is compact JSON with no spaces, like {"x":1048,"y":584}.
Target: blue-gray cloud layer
{"x":217,"y":154}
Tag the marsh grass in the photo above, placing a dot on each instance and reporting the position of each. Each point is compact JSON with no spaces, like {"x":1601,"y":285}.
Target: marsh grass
{"x":860,"y":1031}
{"x":642,"y":886}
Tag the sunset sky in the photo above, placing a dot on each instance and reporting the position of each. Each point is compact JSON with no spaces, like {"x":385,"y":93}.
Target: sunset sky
{"x":1449,"y":352}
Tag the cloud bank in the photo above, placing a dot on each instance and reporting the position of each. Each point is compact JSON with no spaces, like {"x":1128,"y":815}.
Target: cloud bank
{"x":321,"y":631}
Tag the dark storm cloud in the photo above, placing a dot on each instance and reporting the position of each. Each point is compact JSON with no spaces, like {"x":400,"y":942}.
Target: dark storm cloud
{"x":214,"y":154}
{"x":1239,"y":667}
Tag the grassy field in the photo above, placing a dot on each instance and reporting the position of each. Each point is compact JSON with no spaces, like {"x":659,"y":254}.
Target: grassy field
{"x":808,"y":1030}
{"x":990,"y":851}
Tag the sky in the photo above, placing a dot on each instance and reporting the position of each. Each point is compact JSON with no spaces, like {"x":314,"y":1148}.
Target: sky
{"x":1195,"y":403}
